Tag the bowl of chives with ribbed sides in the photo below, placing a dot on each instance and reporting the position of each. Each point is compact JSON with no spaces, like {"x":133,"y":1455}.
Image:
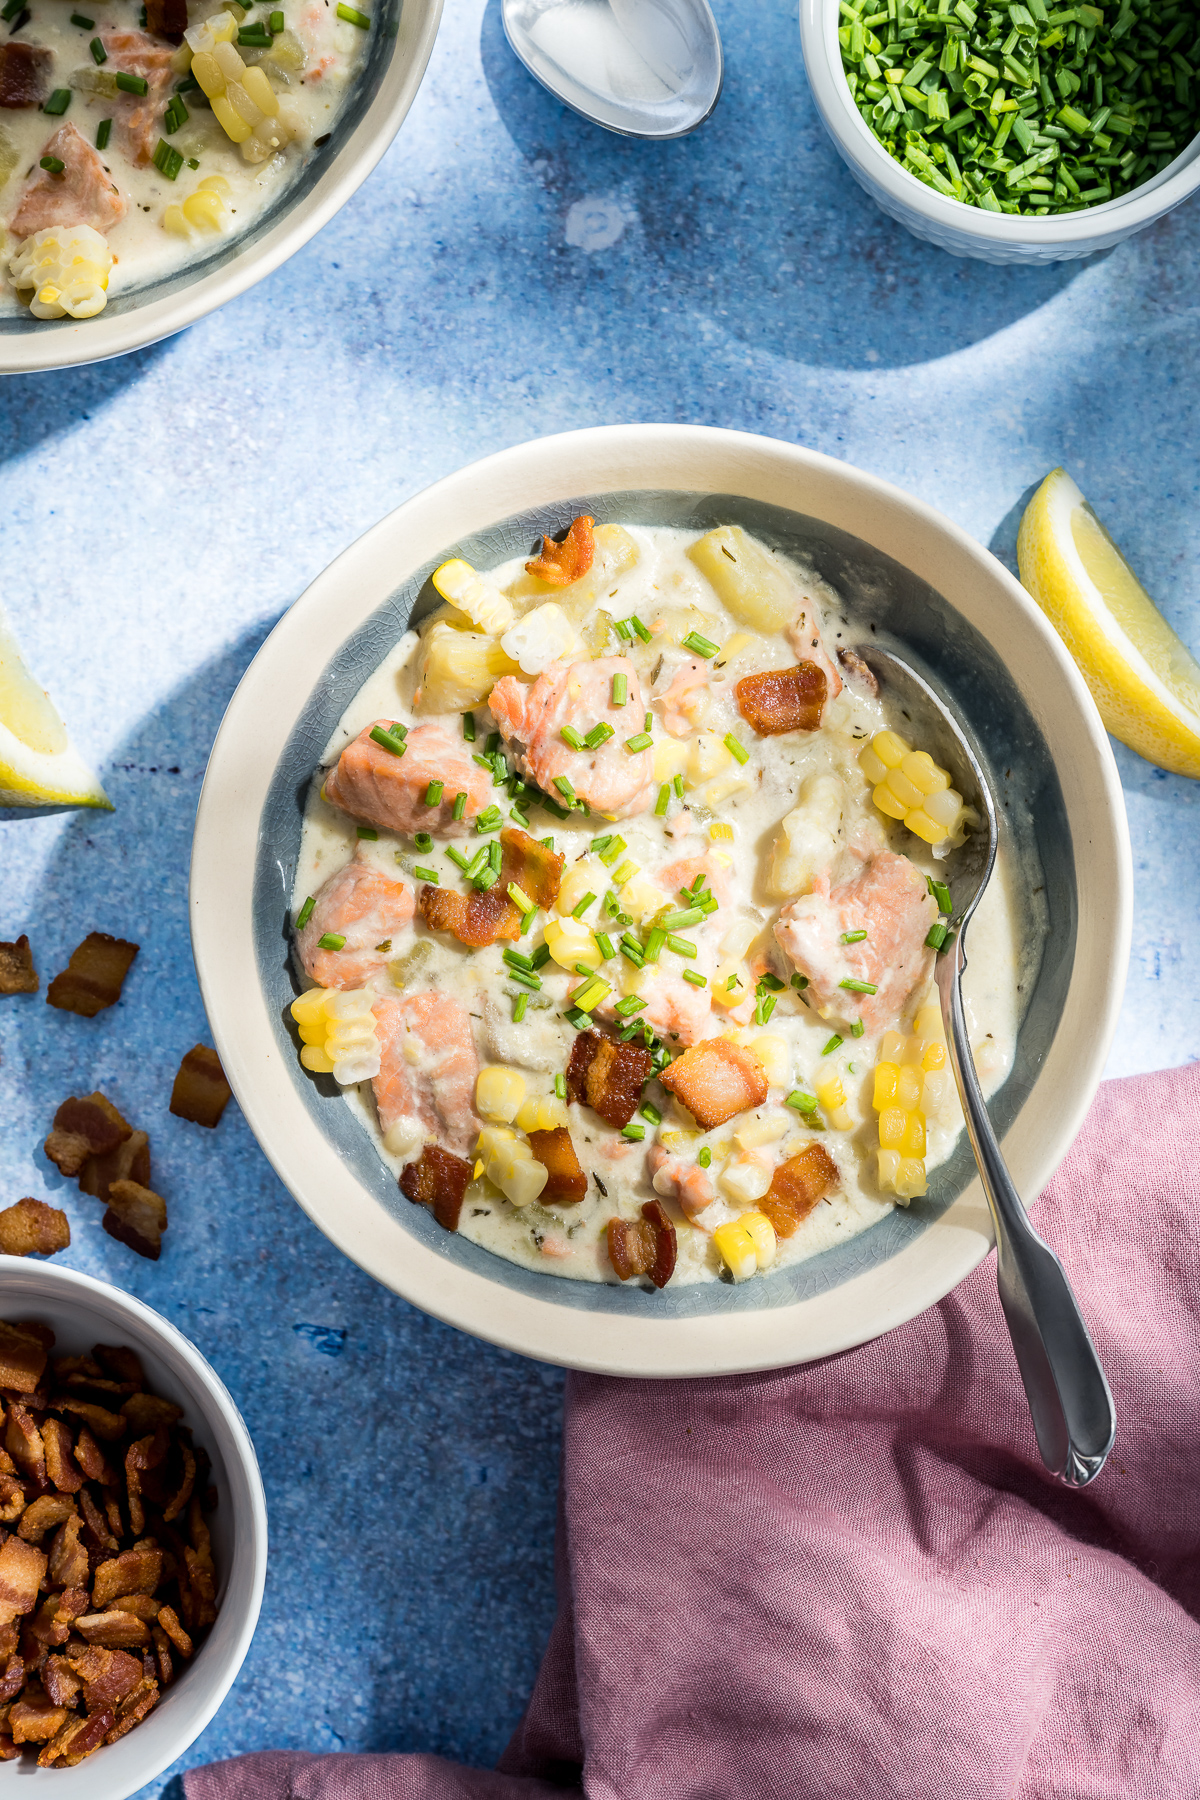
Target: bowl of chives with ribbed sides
{"x":1027,"y":133}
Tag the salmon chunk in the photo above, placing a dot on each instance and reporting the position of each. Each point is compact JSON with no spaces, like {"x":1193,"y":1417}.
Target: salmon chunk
{"x":425,"y":1088}
{"x":611,"y":780}
{"x":137,"y":117}
{"x":716,"y":1079}
{"x":367,"y":909}
{"x":84,"y":194}
{"x":684,"y":698}
{"x":391,"y":791}
{"x":804,"y":635}
{"x":684,"y":1182}
{"x":888,"y":900}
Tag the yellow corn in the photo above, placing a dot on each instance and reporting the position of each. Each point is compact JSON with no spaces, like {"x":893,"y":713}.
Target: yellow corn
{"x":337,"y":1030}
{"x":910,"y":1082}
{"x":487,"y":609}
{"x":510,"y":1165}
{"x":499,"y":1092}
{"x":571,"y":942}
{"x":245,"y":104}
{"x":459,"y":668}
{"x":725,"y":994}
{"x":746,"y":1245}
{"x":68,"y":270}
{"x":670,"y":758}
{"x":586,"y":877}
{"x":542,"y":1112}
{"x":909,"y":785}
{"x":832,"y":1097}
{"x":719,"y":831}
{"x":205,"y":210}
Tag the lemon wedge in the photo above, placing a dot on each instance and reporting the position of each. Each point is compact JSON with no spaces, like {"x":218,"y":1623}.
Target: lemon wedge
{"x":38,"y":766}
{"x":1144,"y":680}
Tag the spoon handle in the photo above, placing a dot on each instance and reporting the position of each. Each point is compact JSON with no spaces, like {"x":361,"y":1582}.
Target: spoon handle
{"x":1069,"y":1397}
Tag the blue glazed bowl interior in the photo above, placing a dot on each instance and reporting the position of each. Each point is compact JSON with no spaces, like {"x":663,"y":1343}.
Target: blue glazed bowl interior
{"x":881,"y":598}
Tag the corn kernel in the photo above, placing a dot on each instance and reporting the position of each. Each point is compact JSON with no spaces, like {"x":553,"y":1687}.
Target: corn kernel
{"x":910,"y":1181}
{"x":757,"y":1131}
{"x":571,"y":942}
{"x":912,"y":1142}
{"x":337,"y":1029}
{"x":744,"y":1180}
{"x":887,"y":802}
{"x":763,"y":1233}
{"x":313,"y":1057}
{"x":499,"y":1092}
{"x":887,"y":1080}
{"x":739,"y":937}
{"x":719,"y":831}
{"x":205,"y":209}
{"x":640,"y":897}
{"x":542,"y":1112}
{"x":935,"y":1091}
{"x":874,"y":770}
{"x":928,"y":1022}
{"x":891,"y":1046}
{"x":510,"y":1165}
{"x":914,"y":788}
{"x":890,"y":748}
{"x":889,"y":1168}
{"x":746,"y":1245}
{"x":892,"y":1121}
{"x":174,"y":222}
{"x":934,"y":1056}
{"x":924,"y":773}
{"x":725,"y":995}
{"x":68,"y":270}
{"x":487,"y":608}
{"x":774,"y":1054}
{"x":908,"y":1088}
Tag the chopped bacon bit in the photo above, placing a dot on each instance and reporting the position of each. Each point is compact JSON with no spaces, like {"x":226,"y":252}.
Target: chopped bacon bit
{"x":113,"y":1630}
{"x":90,"y":1458}
{"x":162,"y":1655}
{"x":61,"y":1466}
{"x":781,"y":700}
{"x":796,"y":1187}
{"x":483,"y":918}
{"x":95,"y":1522}
{"x":107,"y":1425}
{"x":12,"y":1499}
{"x":146,"y":1412}
{"x":77,"y":1739}
{"x":31,"y":1228}
{"x":439,"y":1180}
{"x":17,"y":973}
{"x":108,"y":1675}
{"x":69,"y":1565}
{"x":60,"y":1681}
{"x":143,"y":1606}
{"x":49,"y":1510}
{"x":643,"y":1248}
{"x":168,"y":1618}
{"x":130,"y":1161}
{"x":569,"y":560}
{"x":34,"y":1718}
{"x":133,"y":1572}
{"x":201,"y":1092}
{"x":136,"y":1217}
{"x":12,"y":1679}
{"x":183,"y":1493}
{"x":21,"y":1571}
{"x":22,"y":1358}
{"x":167,"y":18}
{"x":146,"y":1453}
{"x":556,"y":1153}
{"x":859,"y":672}
{"x":124,"y":1365}
{"x":609,"y":1077}
{"x":24,"y":81}
{"x":715,"y":1079}
{"x":23,"y":1441}
{"x":94,"y":977}
{"x":8,"y":1750}
{"x":134,"y":1710}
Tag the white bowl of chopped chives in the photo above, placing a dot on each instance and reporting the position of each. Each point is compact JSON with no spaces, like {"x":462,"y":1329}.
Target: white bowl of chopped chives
{"x":1027,"y":133}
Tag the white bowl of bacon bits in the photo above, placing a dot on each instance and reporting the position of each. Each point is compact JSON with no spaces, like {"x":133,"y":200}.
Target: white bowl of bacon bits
{"x":133,"y":1536}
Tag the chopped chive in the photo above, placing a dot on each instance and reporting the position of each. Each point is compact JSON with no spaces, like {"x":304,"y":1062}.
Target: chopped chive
{"x":460,"y":805}
{"x":456,"y":857}
{"x":589,"y":899}
{"x":476,"y":863}
{"x":388,"y":740}
{"x":622,"y":630}
{"x":802,"y":1102}
{"x":857,"y":1029}
{"x":433,"y":793}
{"x":834,"y":1043}
{"x":540,"y":957}
{"x":369,"y":833}
{"x":591,"y":994}
{"x":853,"y":986}
{"x":599,"y":734}
{"x":635,"y":1131}
{"x":517,"y":959}
{"x":103,"y":133}
{"x":582,"y":968}
{"x":193,"y":162}
{"x":654,"y":943}
{"x":525,"y":978}
{"x":332,"y":940}
{"x":423,"y":841}
{"x":620,"y":689}
{"x":763,"y":1008}
{"x":167,"y":160}
{"x":632,"y":956}
{"x":676,"y":921}
{"x":493,"y":851}
{"x":570,"y":736}
{"x":132,"y":84}
{"x":425,"y":874}
{"x":488,"y":821}
{"x":353,"y":17}
{"x":651,"y":1113}
{"x":520,"y":898}
{"x":564,"y":787}
{"x":613,"y":847}
{"x":937,"y":936}
{"x":493,"y":743}
{"x":547,"y":843}
{"x":731,"y":984}
{"x":704,"y":1156}
{"x":276,"y":21}
{"x":941,"y":894}
{"x":560,"y":1086}
{"x":578,"y":1019}
{"x":99,"y":53}
{"x":701,"y":645}
{"x":630,"y":1004}
{"x":853,"y":937}
{"x":799,"y":982}
{"x":519,"y":1005}
{"x":606,"y":944}
{"x":485,"y":762}
{"x":681,"y":946}
{"x":677,"y":784}
{"x":521,"y":818}
{"x":648,"y":722}
{"x":696,"y":979}
{"x":552,"y":806}
{"x":663,"y":801}
{"x":641,"y":629}
{"x":52,"y":165}
{"x":59,"y":101}
{"x":468,"y":727}
{"x":642,"y":741}
{"x":770,"y":984}
{"x":736,"y":748}
{"x":305,"y":913}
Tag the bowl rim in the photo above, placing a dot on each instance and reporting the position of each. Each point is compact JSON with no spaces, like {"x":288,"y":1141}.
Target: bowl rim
{"x":852,"y":135}
{"x":69,"y":1285}
{"x":100,"y":339}
{"x":254,"y":732}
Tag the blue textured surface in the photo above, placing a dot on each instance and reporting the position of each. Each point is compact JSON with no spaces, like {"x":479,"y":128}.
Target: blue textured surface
{"x":507,"y":271}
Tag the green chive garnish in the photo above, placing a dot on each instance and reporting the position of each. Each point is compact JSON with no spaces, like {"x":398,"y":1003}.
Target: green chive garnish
{"x":736,"y":748}
{"x":635,"y":1131}
{"x":835,"y":1043}
{"x":579,"y":1020}
{"x":488,"y":821}
{"x":680,"y":945}
{"x":853,"y":937}
{"x":769,"y":984}
{"x":433,"y":793}
{"x":99,"y":53}
{"x":605,"y":943}
{"x":460,"y":805}
{"x":476,"y":864}
{"x":494,"y":853}
{"x":695,"y":979}
{"x":388,"y":740}
{"x":430,"y":875}
{"x":423,"y":841}
{"x":52,"y":165}
{"x":620,"y":689}
{"x":941,"y":894}
{"x":612,"y":848}
{"x":353,"y":17}
{"x":276,"y":22}
{"x":677,"y":921}
{"x":103,"y":133}
{"x":701,"y":645}
{"x":132,"y":84}
{"x":518,"y":817}
{"x":632,"y":1003}
{"x":704,"y":1156}
{"x":560,"y":1086}
{"x":332,"y":940}
{"x":457,"y":857}
{"x":854,"y":986}
{"x":468,"y":725}
{"x":642,"y":741}
{"x":654,"y":943}
{"x":520,"y":898}
{"x":305,"y":913}
{"x":641,"y":629}
{"x":517,"y":959}
{"x":857,"y":1029}
{"x":589,"y":899}
{"x":937,"y":936}
{"x":519,"y":1005}
{"x":651,"y":1114}
{"x":370,"y":835}
{"x":599,"y":734}
{"x":540,"y":957}
{"x":591,"y":994}
{"x":621,"y":627}
{"x":83,"y":24}
{"x":564,"y":787}
{"x":663,"y":801}
{"x":523,"y":978}
{"x":571,"y":737}
{"x":801,"y":1102}
{"x":799,"y":982}
{"x":493,"y":742}
{"x":677,"y":784}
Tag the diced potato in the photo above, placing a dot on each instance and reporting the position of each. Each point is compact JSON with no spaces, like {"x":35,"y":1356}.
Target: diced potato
{"x":765,"y":1130}
{"x":807,"y":841}
{"x":744,"y":1180}
{"x":459,"y":669}
{"x":707,"y":756}
{"x":640,"y":897}
{"x":747,"y":579}
{"x":670,"y":758}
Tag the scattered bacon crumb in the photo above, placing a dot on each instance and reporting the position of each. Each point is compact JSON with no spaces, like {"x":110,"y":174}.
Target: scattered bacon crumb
{"x":136,"y":1217}
{"x":34,"y":1717}
{"x":569,"y":560}
{"x":31,"y":1228}
{"x":781,"y":700}
{"x":24,"y":81}
{"x":555,"y":1151}
{"x":168,"y":18}
{"x":796,"y":1187}
{"x":201,"y":1092}
{"x":94,"y":977}
{"x":21,"y":1571}
{"x":83,"y":1128}
{"x":715,"y":1079}
{"x":484,"y":917}
{"x":607,"y":1076}
{"x":23,"y":1355}
{"x":439,"y":1180}
{"x":645,"y":1247}
{"x":17,"y":973}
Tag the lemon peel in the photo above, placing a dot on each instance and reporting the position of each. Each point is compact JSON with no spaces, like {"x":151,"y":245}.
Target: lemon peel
{"x":38,"y":764}
{"x":1143,"y":678}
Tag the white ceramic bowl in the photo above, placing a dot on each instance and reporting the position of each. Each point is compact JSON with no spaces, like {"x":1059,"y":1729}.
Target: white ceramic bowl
{"x":895,"y":562}
{"x":374,"y":111}
{"x":82,"y":1312}
{"x":967,"y":230}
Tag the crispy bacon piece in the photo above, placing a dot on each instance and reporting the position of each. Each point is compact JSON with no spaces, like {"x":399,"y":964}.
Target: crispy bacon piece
{"x":167,"y":18}
{"x":168,"y":1618}
{"x":17,"y":973}
{"x":90,"y":1458}
{"x":201,"y":1574}
{"x":34,"y":1718}
{"x":146,"y":1453}
{"x":133,"y":1572}
{"x":162,"y":1655}
{"x":31,"y":1228}
{"x":13,"y":1499}
{"x":44,"y":1514}
{"x":645,"y":1247}
{"x":23,"y":1441}
{"x":24,"y":81}
{"x":61,"y":1466}
{"x":569,"y":560}
{"x":796,"y":1187}
{"x":146,"y":1412}
{"x":123,"y":1364}
{"x":131,"y":1712}
{"x":439,"y":1180}
{"x":142,"y":1606}
{"x":94,"y":976}
{"x":781,"y":700}
{"x":483,"y":918}
{"x":556,"y":1153}
{"x":715,"y":1079}
{"x":113,"y":1630}
{"x":12,"y":1678}
{"x":201,"y":1092}
{"x":77,"y":1739}
{"x":92,"y":1140}
{"x":68,"y":1565}
{"x":183,"y":1492}
{"x":107,"y":1425}
{"x":60,"y":1681}
{"x":21,"y":1571}
{"x":136,"y":1217}
{"x":95,"y":1522}
{"x":609,"y":1077}
{"x":22,"y":1358}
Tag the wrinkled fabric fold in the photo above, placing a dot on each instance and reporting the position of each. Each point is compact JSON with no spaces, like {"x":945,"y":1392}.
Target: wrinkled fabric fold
{"x":854,"y":1580}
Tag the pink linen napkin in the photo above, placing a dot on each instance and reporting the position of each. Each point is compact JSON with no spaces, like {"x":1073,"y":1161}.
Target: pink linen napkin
{"x":854,"y":1580}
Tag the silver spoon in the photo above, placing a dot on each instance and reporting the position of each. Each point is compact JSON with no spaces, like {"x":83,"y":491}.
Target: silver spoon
{"x":1069,"y":1397}
{"x":644,"y":68}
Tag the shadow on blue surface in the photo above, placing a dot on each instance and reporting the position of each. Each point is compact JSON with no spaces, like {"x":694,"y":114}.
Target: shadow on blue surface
{"x":38,"y":408}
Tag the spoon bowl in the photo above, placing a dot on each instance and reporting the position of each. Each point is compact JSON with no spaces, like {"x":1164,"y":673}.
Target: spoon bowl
{"x":642,"y":68}
{"x":1069,"y":1397}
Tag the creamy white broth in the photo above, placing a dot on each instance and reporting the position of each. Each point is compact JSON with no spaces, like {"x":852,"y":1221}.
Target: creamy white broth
{"x":310,"y":68}
{"x":1004,"y":941}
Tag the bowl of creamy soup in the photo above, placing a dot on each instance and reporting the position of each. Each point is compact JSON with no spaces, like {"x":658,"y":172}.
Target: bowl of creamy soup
{"x":568,"y":887}
{"x":156,"y":160}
